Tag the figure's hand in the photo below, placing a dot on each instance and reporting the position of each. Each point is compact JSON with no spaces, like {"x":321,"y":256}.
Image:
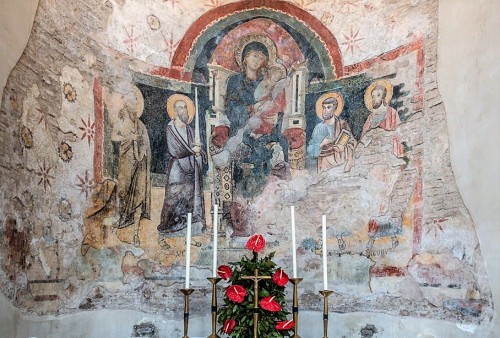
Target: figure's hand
{"x":257,"y":108}
{"x":339,"y":148}
{"x":134,"y":136}
{"x":266,"y":105}
{"x":326,"y":141}
{"x":255,"y":136}
{"x":196,"y":149}
{"x":254,"y":122}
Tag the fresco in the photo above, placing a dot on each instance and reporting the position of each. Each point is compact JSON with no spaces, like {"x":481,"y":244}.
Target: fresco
{"x":256,"y":107}
{"x":262,"y":127}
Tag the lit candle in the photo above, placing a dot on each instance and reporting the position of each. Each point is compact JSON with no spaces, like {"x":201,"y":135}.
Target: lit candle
{"x":325,"y":271}
{"x":188,"y":250}
{"x":294,"y":248}
{"x":216,"y":211}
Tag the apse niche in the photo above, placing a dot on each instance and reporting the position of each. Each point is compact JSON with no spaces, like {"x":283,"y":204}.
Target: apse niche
{"x":122,"y":117}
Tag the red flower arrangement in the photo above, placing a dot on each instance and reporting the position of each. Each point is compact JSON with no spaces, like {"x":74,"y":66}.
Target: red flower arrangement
{"x":280,"y":278}
{"x":236,"y":315}
{"x":236,"y":293}
{"x":256,"y":243}
{"x":268,"y":303}
{"x":285,"y":325}
{"x":228,"y":326}
{"x":224,"y":271}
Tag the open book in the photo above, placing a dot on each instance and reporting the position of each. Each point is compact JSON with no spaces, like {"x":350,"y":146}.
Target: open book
{"x":343,"y":137}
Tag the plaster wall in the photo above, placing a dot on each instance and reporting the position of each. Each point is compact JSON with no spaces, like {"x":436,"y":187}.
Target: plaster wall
{"x":469,"y":81}
{"x":22,"y":327}
{"x":16,"y":20}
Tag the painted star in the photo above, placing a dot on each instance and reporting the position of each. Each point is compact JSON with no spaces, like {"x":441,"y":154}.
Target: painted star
{"x":347,"y":6}
{"x":45,"y":176}
{"x":131,"y":39}
{"x":85,"y":184}
{"x":305,"y":3}
{"x":170,"y":45}
{"x":88,"y":130}
{"x":214,"y":3}
{"x":436,"y":226}
{"x":352,"y":41}
{"x":173,"y":2}
{"x":43,"y":118}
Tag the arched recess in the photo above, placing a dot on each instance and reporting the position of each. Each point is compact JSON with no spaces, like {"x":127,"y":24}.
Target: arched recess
{"x":218,"y":20}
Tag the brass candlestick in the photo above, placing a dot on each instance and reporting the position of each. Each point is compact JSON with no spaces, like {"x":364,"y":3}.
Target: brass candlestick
{"x":295,"y":282}
{"x":186,"y":293}
{"x":256,"y":279}
{"x":325,"y":294}
{"x":214,"y":281}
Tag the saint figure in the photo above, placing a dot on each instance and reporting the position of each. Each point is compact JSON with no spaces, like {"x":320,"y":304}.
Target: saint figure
{"x":183,"y":189}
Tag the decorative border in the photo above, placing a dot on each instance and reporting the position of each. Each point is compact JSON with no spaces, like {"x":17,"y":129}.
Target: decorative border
{"x":415,"y":46}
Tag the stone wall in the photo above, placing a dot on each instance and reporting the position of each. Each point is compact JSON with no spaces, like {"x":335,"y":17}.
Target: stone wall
{"x":402,"y":241}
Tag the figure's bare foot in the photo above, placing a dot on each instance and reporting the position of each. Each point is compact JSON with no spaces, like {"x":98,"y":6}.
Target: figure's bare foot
{"x":137,"y":241}
{"x":342,"y":244}
{"x":164,"y":245}
{"x":348,"y":165}
{"x":395,"y":242}
{"x":369,"y":245}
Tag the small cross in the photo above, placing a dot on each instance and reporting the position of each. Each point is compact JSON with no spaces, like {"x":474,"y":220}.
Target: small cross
{"x":256,"y":279}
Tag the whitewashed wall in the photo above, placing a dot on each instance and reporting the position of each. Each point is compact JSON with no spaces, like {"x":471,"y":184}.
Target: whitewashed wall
{"x":16,"y":20}
{"x":469,"y":82}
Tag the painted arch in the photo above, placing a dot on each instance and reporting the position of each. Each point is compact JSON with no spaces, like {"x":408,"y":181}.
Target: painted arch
{"x":221,"y":19}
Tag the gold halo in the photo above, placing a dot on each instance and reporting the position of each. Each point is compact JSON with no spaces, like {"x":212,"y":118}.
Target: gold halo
{"x":265,"y":40}
{"x":180,"y":97}
{"x":319,"y":103}
{"x":368,"y":92}
{"x":140,"y":101}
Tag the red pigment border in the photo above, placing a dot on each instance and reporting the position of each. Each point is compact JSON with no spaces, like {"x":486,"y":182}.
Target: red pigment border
{"x":387,"y":271}
{"x":418,"y":101}
{"x":179,"y":60}
{"x":418,"y":212}
{"x":416,"y":46}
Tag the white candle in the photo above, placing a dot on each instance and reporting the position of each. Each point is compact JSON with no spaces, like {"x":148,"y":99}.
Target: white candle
{"x":216,"y":211}
{"x":325,"y":270}
{"x":294,"y":248}
{"x":188,"y":250}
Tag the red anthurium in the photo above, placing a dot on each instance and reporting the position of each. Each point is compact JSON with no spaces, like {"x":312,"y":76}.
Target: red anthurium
{"x":236,"y":293}
{"x":228,"y":326}
{"x":285,"y":325}
{"x":224,"y":271}
{"x":256,"y":243}
{"x":280,"y":278}
{"x":268,"y":303}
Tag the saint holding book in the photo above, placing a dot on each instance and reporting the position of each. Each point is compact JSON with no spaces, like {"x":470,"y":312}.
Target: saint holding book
{"x":331,"y":143}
